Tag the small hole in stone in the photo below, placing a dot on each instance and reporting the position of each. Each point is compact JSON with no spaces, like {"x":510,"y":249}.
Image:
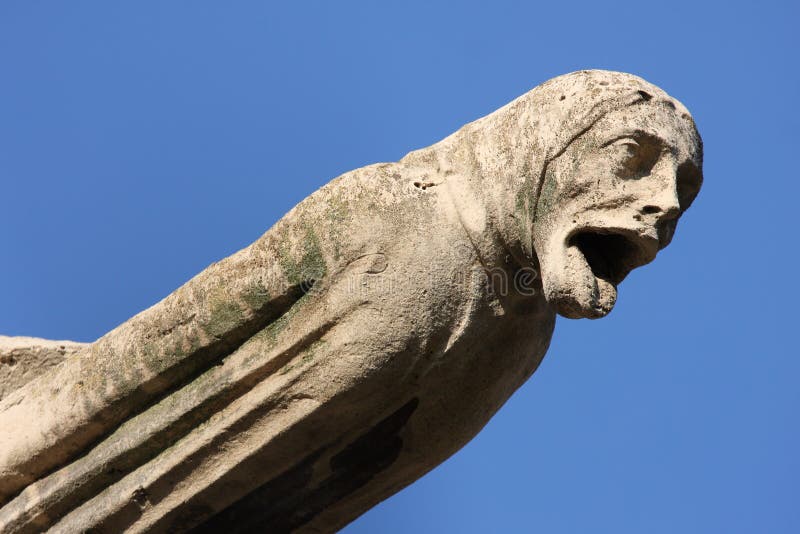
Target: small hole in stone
{"x":424,"y":185}
{"x":649,"y":210}
{"x":562,"y":97}
{"x":647,"y":96}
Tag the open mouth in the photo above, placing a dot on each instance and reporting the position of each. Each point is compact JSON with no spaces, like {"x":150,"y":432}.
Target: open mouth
{"x":580,"y":275}
{"x":612,"y":254}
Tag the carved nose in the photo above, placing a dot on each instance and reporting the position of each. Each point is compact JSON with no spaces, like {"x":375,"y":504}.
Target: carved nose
{"x":666,"y":219}
{"x":665,"y":209}
{"x":665,"y":204}
{"x":662,"y":201}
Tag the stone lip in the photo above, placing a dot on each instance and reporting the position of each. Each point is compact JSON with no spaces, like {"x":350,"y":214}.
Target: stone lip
{"x":613,"y":251}
{"x":24,"y":358}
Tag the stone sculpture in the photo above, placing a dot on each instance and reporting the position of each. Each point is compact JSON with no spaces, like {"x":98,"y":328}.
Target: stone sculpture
{"x":364,"y":338}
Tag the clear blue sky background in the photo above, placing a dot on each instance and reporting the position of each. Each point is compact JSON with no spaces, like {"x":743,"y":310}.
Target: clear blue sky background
{"x":140,"y":141}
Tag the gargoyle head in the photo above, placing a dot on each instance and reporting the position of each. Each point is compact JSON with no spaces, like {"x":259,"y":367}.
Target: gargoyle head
{"x":610,"y":199}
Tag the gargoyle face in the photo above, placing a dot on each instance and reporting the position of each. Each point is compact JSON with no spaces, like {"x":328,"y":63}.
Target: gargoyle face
{"x":611,"y":201}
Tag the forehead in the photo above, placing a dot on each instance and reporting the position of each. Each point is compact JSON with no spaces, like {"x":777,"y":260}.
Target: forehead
{"x":656,"y":120}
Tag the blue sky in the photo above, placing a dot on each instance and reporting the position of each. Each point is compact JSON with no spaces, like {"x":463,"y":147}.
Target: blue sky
{"x":141,"y":141}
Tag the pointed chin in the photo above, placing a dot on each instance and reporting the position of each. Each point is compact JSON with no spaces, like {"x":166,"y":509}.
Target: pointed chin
{"x":573,"y":288}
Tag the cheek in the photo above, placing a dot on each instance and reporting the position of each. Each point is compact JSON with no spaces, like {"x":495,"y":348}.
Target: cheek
{"x":578,"y":183}
{"x":591,"y":183}
{"x":548,"y":196}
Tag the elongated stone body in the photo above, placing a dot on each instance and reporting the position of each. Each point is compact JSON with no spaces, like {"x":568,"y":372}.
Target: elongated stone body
{"x":366,"y":336}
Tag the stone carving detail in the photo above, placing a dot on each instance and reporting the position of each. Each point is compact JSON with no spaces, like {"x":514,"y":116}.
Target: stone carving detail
{"x":364,"y":338}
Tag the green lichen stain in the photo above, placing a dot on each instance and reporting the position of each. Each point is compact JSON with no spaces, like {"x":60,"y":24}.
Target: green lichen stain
{"x":269,"y":335}
{"x":256,"y":296}
{"x":128,"y":368}
{"x":310,"y":266}
{"x":337,"y":214}
{"x":153,"y":357}
{"x":547,"y":197}
{"x":172,"y":418}
{"x":523,"y":209}
{"x":225,"y":316}
{"x":307,"y":357}
{"x":267,"y":338}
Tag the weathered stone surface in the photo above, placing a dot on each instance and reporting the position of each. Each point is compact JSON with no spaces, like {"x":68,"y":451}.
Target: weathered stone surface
{"x":24,"y":358}
{"x":364,"y":338}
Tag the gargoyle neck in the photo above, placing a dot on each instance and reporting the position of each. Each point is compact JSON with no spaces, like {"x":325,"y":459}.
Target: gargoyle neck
{"x":497,"y":232}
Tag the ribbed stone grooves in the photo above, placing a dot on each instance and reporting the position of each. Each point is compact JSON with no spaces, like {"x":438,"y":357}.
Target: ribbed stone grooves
{"x":290,"y":500}
{"x":42,"y":504}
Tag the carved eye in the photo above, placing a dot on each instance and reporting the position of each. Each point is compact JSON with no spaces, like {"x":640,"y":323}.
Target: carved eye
{"x":631,"y":158}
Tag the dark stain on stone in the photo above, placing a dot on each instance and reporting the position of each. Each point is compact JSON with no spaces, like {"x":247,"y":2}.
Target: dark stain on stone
{"x":140,"y":498}
{"x":288,"y":502}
